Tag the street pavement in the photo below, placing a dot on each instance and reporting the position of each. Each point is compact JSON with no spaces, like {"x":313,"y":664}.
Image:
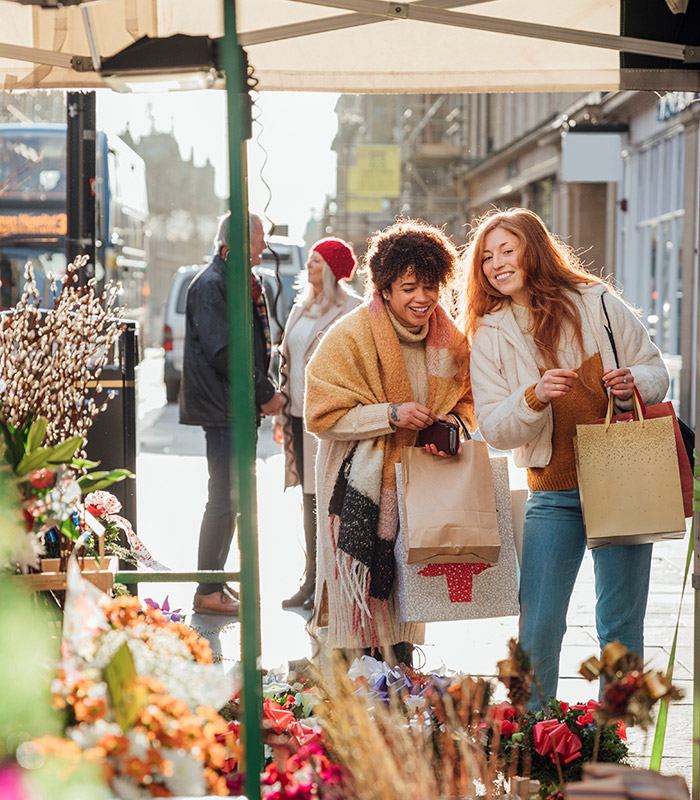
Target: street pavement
{"x":172,"y":488}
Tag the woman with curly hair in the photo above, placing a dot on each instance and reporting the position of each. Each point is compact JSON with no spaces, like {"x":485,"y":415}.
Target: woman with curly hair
{"x":390,"y":368}
{"x":541,"y":363}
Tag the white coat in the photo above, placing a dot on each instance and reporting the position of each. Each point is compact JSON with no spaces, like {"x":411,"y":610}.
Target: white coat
{"x":502,"y":368}
{"x":320,"y":326}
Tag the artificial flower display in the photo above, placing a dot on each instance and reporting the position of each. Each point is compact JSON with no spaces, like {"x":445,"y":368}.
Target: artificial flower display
{"x":630,"y":690}
{"x":139,"y":693}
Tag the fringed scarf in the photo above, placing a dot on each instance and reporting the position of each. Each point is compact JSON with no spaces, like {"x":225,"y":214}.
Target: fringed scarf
{"x":360,"y":362}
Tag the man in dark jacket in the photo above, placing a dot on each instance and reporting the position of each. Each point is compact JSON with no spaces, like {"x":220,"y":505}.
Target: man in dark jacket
{"x":204,"y":400}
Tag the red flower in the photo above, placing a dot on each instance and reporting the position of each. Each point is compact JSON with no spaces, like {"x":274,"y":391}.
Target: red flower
{"x":504,"y":711}
{"x":508,"y":728}
{"x":42,"y":478}
{"x":622,"y":730}
{"x":564,"y":706}
{"x":584,"y":719}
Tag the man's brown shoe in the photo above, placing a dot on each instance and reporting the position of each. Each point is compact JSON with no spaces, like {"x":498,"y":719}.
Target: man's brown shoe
{"x":217,"y":603}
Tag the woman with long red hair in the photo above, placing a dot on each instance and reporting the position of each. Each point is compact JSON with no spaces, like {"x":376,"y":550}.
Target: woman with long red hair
{"x":541,"y":363}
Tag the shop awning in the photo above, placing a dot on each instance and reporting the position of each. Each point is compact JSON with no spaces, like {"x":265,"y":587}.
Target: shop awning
{"x":373,"y":45}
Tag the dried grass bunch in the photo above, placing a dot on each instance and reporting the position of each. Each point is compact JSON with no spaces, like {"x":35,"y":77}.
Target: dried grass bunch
{"x":51,"y":360}
{"x":416,"y":747}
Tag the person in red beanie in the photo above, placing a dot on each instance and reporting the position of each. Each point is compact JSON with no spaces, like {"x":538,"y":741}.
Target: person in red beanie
{"x":323,"y":298}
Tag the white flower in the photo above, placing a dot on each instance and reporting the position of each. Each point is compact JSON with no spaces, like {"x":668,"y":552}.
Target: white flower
{"x":187,"y":777}
{"x":414,"y":703}
{"x":26,"y":549}
{"x":366,"y":667}
{"x":126,"y":789}
{"x":140,"y":745}
{"x":87,"y":735}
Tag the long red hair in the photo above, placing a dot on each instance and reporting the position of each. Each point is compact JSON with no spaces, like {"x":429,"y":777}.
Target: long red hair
{"x":551,"y":267}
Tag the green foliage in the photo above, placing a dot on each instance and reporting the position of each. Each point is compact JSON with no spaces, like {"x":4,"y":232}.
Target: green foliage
{"x":95,"y":481}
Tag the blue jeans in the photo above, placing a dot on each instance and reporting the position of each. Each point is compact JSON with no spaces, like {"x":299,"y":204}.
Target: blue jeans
{"x":216,"y":532}
{"x":554,"y":542}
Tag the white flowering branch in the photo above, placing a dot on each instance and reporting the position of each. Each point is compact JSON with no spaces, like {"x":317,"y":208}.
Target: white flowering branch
{"x":51,"y":360}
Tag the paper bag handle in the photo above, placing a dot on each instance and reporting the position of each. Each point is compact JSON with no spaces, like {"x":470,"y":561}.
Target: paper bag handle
{"x":637,"y":409}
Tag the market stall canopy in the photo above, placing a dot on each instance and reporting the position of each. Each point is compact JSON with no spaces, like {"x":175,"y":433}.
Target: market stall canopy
{"x":373,"y":45}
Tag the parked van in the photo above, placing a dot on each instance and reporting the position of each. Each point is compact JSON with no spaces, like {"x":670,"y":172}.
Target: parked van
{"x":174,"y":329}
{"x":279,"y":290}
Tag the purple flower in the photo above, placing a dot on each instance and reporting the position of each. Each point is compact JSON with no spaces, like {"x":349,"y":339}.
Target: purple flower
{"x":173,"y":616}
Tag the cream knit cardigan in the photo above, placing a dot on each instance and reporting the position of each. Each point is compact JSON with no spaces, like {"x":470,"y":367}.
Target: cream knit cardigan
{"x":502,"y":368}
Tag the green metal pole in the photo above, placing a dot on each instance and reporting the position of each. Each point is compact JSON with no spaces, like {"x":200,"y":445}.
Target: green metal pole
{"x":240,"y":311}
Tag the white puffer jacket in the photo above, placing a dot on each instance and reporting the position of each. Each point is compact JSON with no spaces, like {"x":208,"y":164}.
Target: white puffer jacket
{"x":502,"y":368}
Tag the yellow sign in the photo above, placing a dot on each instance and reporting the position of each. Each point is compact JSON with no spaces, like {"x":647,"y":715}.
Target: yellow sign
{"x":375,"y":177}
{"x":128,"y":697}
{"x":33,"y":224}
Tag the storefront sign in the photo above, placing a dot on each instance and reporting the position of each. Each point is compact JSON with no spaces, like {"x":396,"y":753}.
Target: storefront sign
{"x":673,"y":103}
{"x":33,"y":225}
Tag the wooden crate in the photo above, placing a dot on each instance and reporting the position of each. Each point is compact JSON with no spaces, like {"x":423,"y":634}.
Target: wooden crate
{"x":49,"y":579}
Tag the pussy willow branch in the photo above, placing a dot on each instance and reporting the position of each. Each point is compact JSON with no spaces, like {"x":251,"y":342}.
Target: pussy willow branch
{"x":49,"y":358}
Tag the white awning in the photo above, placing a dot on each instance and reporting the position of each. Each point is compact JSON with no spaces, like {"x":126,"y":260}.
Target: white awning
{"x":355,"y":45}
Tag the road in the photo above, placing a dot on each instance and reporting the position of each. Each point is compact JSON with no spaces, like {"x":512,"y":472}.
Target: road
{"x":171,"y":485}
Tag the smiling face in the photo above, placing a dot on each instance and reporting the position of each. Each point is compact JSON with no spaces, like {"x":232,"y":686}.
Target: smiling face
{"x":314,"y":269}
{"x":411,"y":301}
{"x":501,"y":265}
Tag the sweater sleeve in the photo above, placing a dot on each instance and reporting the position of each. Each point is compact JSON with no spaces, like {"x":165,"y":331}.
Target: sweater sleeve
{"x":504,"y":417}
{"x":361,"y":422}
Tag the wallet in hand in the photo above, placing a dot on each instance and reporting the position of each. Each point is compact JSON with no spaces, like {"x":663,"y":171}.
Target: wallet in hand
{"x":444,"y":435}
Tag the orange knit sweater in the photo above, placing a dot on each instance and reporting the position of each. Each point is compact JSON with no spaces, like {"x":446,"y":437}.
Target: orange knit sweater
{"x":579,"y":405}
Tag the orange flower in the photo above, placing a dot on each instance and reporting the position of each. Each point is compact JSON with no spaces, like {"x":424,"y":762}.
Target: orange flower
{"x":90,"y":709}
{"x":158,"y":790}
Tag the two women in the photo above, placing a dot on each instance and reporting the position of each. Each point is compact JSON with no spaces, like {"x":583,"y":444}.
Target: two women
{"x":322,"y":301}
{"x":541,"y":363}
{"x":387,"y":370}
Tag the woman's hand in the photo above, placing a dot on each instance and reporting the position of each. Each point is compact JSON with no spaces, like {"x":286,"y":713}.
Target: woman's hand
{"x":555,"y":383}
{"x":278,"y":433}
{"x":620,"y":382}
{"x":432,"y":449}
{"x":410,"y":415}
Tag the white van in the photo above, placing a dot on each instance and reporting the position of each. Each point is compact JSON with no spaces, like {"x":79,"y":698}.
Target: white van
{"x":280,"y":295}
{"x":174,"y":329}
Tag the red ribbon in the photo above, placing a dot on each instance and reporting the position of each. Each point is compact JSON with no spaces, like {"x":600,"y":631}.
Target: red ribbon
{"x":279,"y":718}
{"x":554,"y":738}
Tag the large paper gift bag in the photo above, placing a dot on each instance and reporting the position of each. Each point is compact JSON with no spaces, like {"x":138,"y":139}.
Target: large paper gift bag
{"x":449,"y":506}
{"x":440,"y":592}
{"x":665,"y":410}
{"x":629,"y":480}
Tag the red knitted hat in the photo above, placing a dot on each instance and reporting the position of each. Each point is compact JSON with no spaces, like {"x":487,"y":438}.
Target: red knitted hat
{"x":339,"y":256}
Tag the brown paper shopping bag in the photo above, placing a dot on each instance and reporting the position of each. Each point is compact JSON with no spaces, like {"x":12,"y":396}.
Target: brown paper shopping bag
{"x":629,"y":481}
{"x":449,"y":506}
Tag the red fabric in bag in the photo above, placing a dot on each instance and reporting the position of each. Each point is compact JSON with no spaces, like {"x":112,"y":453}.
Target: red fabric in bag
{"x":665,"y":410}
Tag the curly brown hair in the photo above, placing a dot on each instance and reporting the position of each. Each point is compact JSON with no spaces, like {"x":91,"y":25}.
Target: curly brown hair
{"x":409,"y":244}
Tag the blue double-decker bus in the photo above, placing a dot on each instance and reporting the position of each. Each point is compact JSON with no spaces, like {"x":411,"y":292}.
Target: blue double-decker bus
{"x":33,"y":220}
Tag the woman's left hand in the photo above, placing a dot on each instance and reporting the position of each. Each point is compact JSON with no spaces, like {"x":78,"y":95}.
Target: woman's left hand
{"x":430,"y":448}
{"x":620,"y":382}
{"x":435,"y":452}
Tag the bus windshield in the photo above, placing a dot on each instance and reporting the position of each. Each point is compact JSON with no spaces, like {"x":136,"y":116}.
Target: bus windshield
{"x":32,"y":165}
